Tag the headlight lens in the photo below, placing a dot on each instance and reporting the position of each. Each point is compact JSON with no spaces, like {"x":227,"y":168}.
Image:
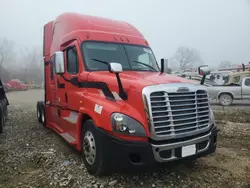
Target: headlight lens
{"x":124,"y":124}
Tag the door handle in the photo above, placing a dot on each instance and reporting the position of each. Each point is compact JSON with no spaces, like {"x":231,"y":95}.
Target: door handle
{"x":66,"y":97}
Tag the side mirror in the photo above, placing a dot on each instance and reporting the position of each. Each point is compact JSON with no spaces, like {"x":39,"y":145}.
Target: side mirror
{"x":59,"y":62}
{"x":203,"y":70}
{"x":164,"y":65}
{"x":115,"y":67}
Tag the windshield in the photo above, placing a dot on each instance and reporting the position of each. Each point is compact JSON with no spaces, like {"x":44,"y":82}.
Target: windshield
{"x":131,"y":57}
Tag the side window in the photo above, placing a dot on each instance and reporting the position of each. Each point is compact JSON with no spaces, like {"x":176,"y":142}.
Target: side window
{"x":72,"y":61}
{"x":247,"y":82}
{"x":236,"y":79}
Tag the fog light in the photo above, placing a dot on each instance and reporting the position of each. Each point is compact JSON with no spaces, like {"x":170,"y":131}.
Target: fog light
{"x":121,"y":127}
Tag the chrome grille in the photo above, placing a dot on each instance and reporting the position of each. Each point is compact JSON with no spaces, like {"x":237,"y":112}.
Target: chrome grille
{"x":175,"y":113}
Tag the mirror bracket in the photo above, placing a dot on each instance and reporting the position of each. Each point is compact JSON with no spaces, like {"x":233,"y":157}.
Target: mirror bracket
{"x":122,"y":92}
{"x":116,"y":68}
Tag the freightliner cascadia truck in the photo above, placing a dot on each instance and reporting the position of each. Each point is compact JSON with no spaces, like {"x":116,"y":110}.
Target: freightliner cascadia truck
{"x":106,"y":95}
{"x":3,"y":107}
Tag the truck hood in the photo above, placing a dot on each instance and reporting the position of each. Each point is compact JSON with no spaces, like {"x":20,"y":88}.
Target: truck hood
{"x":133,"y":83}
{"x":136,"y":81}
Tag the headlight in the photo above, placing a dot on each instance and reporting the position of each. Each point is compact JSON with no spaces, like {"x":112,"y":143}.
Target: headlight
{"x":212,"y":118}
{"x":124,"y":124}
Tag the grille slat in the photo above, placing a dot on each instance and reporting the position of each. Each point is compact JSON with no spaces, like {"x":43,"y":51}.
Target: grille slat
{"x":185,"y":109}
{"x":159,"y":106}
{"x":179,"y":119}
{"x":183,"y":114}
{"x":183,"y":129}
{"x":178,"y":113}
{"x":164,"y":101}
{"x":178,"y":125}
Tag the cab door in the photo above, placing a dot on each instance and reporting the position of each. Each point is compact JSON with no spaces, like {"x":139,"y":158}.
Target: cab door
{"x":246,"y":88}
{"x":68,"y":93}
{"x":72,"y":69}
{"x":52,"y":96}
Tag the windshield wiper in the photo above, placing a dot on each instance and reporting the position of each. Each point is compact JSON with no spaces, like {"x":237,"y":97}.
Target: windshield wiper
{"x":107,"y":63}
{"x":146,"y":65}
{"x":104,"y":62}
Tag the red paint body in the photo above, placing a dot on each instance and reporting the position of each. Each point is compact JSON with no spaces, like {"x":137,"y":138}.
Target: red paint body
{"x":73,"y":29}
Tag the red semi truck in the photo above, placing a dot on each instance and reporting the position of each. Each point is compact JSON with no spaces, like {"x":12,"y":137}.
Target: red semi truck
{"x":106,"y":95}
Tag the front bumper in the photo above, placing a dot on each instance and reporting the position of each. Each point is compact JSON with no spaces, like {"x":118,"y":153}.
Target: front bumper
{"x":122,"y":153}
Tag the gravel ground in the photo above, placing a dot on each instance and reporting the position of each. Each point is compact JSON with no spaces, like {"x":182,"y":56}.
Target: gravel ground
{"x":32,"y":156}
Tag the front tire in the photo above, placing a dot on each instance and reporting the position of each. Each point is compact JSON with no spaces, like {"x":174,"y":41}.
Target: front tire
{"x":43,"y":114}
{"x":226,"y":99}
{"x":92,"y":150}
{"x":38,"y":112}
{"x":5,"y":109}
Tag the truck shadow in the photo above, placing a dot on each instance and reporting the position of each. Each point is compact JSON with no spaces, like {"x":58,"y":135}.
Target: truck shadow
{"x":166,"y":168}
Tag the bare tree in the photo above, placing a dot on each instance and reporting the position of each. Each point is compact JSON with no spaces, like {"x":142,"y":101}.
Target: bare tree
{"x":32,"y":65}
{"x":225,"y":64}
{"x":26,"y":66}
{"x":6,"y":50}
{"x":187,"y":58}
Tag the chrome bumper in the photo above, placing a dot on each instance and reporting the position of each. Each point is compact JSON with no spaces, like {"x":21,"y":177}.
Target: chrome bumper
{"x":171,"y":147}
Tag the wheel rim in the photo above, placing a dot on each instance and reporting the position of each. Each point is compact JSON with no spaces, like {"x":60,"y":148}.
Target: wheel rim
{"x":226,"y":100}
{"x":89,"y":147}
{"x":38,"y":113}
{"x":42,"y":117}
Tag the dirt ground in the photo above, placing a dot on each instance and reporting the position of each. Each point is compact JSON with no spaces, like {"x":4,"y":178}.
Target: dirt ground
{"x":32,"y":156}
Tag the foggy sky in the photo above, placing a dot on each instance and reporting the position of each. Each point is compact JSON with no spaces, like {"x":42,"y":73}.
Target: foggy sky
{"x":219,"y":29}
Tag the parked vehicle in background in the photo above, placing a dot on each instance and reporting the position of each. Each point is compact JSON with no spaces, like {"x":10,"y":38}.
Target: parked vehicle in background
{"x":6,"y":86}
{"x":17,"y":85}
{"x":197,"y":79}
{"x":106,"y":95}
{"x":35,"y":86}
{"x":236,"y":78}
{"x":219,"y":77}
{"x":3,"y":107}
{"x":233,"y":91}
